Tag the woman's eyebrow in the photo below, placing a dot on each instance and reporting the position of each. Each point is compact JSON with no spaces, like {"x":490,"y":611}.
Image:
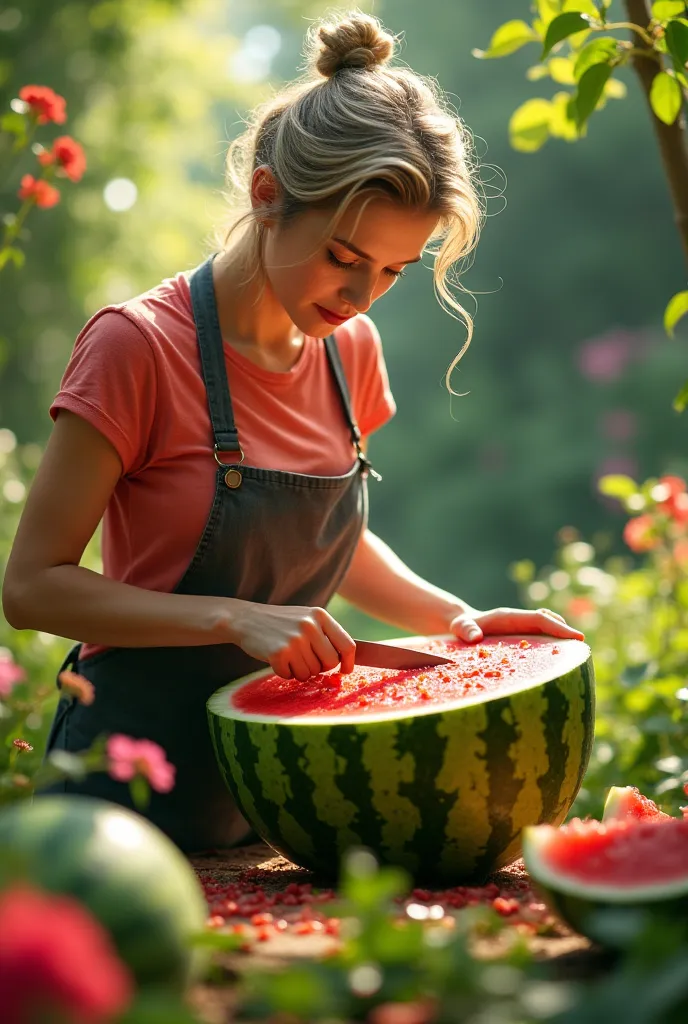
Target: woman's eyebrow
{"x":359,"y":252}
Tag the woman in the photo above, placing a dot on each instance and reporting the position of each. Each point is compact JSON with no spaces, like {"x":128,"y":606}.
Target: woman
{"x":212,"y":422}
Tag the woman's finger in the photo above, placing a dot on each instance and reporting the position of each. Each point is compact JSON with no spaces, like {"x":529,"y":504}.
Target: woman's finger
{"x":325,"y":651}
{"x":547,"y":624}
{"x":466,"y":628}
{"x":556,"y":615}
{"x":344,"y":645}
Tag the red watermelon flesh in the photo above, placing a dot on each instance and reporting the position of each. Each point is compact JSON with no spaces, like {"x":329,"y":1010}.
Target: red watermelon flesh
{"x":615,"y":854}
{"x":629,"y":802}
{"x":495,"y":666}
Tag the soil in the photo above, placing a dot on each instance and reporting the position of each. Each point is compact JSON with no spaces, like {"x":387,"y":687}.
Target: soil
{"x":569,"y":956}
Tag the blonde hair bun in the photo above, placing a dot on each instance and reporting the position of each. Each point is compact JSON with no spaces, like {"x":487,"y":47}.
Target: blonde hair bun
{"x":356,"y":41}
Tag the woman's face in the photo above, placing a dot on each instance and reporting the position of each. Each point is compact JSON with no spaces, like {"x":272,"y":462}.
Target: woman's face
{"x":326,"y":272}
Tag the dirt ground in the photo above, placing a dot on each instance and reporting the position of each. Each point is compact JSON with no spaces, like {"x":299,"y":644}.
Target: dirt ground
{"x":569,"y":955}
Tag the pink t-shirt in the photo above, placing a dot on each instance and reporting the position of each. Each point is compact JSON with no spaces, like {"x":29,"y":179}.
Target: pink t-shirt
{"x":135,"y":375}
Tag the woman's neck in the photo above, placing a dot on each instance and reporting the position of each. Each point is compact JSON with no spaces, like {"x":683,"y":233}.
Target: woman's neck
{"x":258,"y":328}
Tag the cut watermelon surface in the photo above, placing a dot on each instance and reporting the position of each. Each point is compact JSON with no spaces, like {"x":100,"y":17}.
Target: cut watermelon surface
{"x":435,"y":769}
{"x":587,"y":869}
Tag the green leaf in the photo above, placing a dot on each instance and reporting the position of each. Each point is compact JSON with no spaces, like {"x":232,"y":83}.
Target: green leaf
{"x":10,"y":253}
{"x":507,"y":39}
{"x":590,"y":89}
{"x":561,"y":70}
{"x":662,"y":10}
{"x":602,"y":7}
{"x":562,"y":123}
{"x":616,"y":485}
{"x":563,"y":26}
{"x":677,"y":41}
{"x":13,"y":123}
{"x":681,"y":399}
{"x":599,"y":51}
{"x":665,"y":97}
{"x":547,"y":9}
{"x":677,"y":308}
{"x":140,"y":792}
{"x":529,"y":125}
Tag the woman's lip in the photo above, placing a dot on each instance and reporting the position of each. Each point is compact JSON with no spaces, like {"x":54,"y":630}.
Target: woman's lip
{"x":332,"y":318}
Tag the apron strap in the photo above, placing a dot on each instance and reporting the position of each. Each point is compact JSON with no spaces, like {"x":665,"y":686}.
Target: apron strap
{"x":212,"y":358}
{"x":335,"y":362}
{"x":215,"y":373}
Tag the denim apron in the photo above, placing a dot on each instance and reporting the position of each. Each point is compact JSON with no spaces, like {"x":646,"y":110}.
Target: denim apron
{"x":272,"y":537}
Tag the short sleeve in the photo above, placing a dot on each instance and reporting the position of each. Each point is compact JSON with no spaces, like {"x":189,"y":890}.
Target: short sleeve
{"x":110,"y":381}
{"x":371,"y":396}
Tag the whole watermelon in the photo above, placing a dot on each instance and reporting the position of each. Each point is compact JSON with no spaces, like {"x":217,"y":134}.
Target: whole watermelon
{"x":122,"y":868}
{"x":437,"y":770}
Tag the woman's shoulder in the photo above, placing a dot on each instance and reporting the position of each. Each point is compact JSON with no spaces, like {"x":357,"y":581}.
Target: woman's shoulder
{"x":144,"y":321}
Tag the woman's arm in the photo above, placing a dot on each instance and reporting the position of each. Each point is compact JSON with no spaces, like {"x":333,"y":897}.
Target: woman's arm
{"x":380,"y":584}
{"x":45,"y":588}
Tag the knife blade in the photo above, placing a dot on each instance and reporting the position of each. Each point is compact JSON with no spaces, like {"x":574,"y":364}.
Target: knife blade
{"x":378,"y":655}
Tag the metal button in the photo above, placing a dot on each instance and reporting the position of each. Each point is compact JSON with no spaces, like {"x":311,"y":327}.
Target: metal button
{"x":233,"y":478}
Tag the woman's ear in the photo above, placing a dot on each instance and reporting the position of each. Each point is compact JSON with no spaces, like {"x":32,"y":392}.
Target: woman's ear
{"x":264,"y":190}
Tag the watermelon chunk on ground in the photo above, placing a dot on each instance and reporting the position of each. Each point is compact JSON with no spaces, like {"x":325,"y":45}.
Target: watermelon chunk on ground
{"x":629,"y":802}
{"x":587,"y":870}
{"x":436,"y":770}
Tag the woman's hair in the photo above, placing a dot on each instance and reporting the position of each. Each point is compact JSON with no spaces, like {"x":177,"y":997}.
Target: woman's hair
{"x":353,"y":124}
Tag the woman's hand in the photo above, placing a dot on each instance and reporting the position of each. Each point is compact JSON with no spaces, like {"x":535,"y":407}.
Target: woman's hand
{"x":472,"y":625}
{"x":296,"y":641}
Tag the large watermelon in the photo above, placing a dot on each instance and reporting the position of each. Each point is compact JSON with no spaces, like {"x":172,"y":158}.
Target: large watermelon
{"x":437,"y":770}
{"x":122,"y":868}
{"x":604,"y":879}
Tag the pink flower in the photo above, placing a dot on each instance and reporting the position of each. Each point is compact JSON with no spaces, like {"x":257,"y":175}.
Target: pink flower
{"x":130,"y":757}
{"x":57,"y":962}
{"x":10,"y":674}
{"x":604,"y":359}
{"x":619,"y":424}
{"x":639,"y":534}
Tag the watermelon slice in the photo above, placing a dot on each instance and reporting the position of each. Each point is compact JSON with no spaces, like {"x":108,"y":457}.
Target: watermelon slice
{"x":633,"y":868}
{"x":629,"y":802}
{"x":436,"y":770}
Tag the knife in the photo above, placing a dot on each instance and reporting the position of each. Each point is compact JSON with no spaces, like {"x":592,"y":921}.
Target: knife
{"x":378,"y":655}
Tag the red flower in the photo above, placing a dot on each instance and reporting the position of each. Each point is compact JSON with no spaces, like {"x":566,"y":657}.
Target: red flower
{"x":68,"y":155}
{"x":639,"y":534}
{"x":45,"y":103}
{"x":10,"y":673}
{"x":580,"y":605}
{"x":38,"y":189}
{"x":129,"y":757}
{"x":77,"y":686}
{"x":22,"y":745}
{"x":675,"y":504}
{"x":57,"y":962}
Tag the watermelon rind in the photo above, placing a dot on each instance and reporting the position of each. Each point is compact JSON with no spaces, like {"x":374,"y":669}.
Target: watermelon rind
{"x":587,"y":907}
{"x":122,"y":868}
{"x":442,"y":791}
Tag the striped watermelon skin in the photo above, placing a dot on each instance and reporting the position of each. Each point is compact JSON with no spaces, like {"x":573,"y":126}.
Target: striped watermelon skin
{"x":122,"y":868}
{"x":444,"y":794}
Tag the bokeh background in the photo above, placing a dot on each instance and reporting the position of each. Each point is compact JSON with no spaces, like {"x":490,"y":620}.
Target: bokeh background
{"x":569,"y":375}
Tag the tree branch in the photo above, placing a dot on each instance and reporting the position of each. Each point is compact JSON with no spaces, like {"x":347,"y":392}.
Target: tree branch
{"x":671,"y":137}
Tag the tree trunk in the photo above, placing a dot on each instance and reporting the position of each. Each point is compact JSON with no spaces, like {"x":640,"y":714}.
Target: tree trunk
{"x":671,"y":137}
